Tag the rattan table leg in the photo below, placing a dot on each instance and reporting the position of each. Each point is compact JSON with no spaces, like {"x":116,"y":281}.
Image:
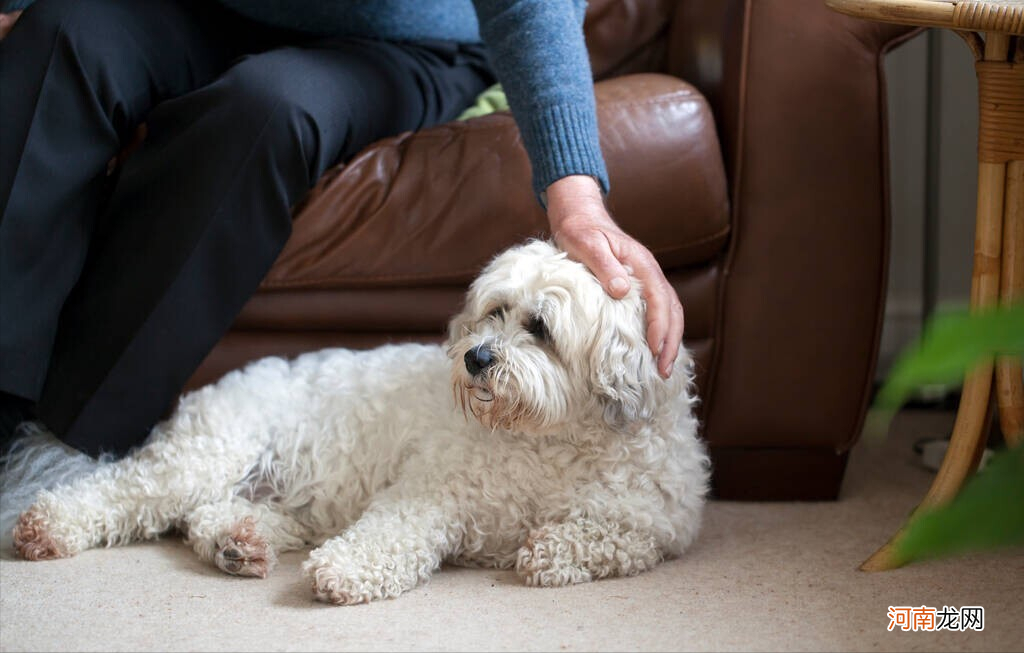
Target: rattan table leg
{"x":970,"y":430}
{"x":966,"y":446}
{"x":1009,"y":373}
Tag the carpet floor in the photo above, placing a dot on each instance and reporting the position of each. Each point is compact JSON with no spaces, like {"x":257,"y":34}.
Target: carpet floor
{"x":761,"y":577}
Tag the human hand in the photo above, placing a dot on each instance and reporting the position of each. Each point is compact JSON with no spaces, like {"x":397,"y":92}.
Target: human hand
{"x":582,"y":227}
{"x":7,"y":21}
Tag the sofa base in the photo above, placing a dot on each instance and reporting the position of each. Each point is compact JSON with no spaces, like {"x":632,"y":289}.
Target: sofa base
{"x":776,"y":473}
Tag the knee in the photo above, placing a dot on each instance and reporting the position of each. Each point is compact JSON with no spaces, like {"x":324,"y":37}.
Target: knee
{"x":84,"y":29}
{"x":283,"y":114}
{"x":77,"y":18}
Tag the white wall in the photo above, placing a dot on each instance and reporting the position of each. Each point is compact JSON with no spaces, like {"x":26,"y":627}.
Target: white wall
{"x":906,"y":69}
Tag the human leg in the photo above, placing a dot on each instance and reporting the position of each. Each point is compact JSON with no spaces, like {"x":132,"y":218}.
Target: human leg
{"x":202,"y":209}
{"x":77,"y":77}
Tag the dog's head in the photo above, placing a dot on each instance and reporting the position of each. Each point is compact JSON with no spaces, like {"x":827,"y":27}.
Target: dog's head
{"x":540,"y":346}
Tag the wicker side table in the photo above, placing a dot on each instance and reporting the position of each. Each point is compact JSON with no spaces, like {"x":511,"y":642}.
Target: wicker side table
{"x":994,"y":31}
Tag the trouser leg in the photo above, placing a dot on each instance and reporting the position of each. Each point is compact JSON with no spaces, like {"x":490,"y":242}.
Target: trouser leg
{"x":203,"y":208}
{"x":76,"y":77}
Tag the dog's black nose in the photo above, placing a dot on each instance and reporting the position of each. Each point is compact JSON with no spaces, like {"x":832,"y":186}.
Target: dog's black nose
{"x":478,"y":359}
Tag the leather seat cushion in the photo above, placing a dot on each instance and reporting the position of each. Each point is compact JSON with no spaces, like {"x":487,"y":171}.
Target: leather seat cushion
{"x":431,"y":207}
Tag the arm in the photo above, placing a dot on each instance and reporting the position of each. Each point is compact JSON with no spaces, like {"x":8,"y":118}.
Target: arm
{"x":538,"y":52}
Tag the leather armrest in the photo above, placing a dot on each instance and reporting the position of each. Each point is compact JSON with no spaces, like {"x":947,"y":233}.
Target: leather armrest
{"x":799,"y":96}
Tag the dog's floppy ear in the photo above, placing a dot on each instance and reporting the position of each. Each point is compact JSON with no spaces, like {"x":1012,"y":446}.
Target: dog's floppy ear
{"x":622,"y":369}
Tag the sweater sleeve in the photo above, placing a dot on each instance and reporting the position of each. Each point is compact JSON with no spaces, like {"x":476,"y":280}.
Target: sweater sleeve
{"x":538,"y":52}
{"x":7,"y":6}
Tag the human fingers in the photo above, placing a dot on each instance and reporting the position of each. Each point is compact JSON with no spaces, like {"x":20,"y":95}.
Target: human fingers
{"x":591,"y":247}
{"x":665,"y":323}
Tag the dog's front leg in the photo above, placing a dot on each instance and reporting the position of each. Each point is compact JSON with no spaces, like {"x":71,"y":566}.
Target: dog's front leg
{"x":393,"y":547}
{"x":584,"y":549}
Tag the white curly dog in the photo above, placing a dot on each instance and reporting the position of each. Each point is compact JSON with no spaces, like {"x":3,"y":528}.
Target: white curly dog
{"x":541,"y":438}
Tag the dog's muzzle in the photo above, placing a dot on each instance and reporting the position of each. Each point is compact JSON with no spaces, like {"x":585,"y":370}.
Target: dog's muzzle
{"x":478,"y":359}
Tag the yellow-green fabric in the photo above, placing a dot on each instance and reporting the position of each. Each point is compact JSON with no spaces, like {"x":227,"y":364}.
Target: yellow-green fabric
{"x":491,"y":100}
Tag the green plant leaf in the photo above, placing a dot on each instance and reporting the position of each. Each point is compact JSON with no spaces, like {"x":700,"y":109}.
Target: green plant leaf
{"x":951,"y":345}
{"x":987,"y":513}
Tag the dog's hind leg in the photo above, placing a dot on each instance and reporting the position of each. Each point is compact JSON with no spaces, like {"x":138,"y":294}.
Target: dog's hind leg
{"x":190,"y":460}
{"x":243,"y":538}
{"x":138,"y":497}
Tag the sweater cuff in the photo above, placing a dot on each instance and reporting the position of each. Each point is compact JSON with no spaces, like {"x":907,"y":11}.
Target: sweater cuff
{"x":562,"y":140}
{"x":7,"y":6}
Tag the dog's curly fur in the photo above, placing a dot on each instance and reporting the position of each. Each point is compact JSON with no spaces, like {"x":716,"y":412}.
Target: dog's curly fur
{"x":544,"y":440}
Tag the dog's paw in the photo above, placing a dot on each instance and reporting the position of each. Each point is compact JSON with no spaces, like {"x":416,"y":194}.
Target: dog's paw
{"x":34,"y":540}
{"x":331,"y":588}
{"x":338,"y":579}
{"x":245,"y":553}
{"x":331,"y":585}
{"x":548,"y":561}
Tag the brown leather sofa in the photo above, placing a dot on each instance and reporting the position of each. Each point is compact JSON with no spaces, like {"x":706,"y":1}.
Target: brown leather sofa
{"x":746,"y":145}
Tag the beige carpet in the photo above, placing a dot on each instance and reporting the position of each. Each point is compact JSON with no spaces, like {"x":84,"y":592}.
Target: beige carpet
{"x":761,"y":577}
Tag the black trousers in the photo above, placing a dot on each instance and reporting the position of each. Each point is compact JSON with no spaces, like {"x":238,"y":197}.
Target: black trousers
{"x":114,"y":288}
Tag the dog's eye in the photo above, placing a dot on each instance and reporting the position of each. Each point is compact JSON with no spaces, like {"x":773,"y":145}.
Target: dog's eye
{"x":497,"y":312}
{"x":536,"y":327}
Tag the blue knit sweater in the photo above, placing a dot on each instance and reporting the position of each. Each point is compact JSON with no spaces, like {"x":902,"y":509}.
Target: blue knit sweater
{"x":536,"y":48}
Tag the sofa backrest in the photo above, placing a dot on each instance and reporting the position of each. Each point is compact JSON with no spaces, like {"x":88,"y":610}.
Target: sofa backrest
{"x":628,"y":36}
